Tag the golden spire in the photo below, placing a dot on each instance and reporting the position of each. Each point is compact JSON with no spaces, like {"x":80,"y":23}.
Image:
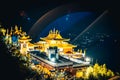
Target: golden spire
{"x":20,"y":29}
{"x":11,"y":31}
{"x":84,"y":52}
{"x":50,"y":31}
{"x":80,"y":50}
{"x":56,"y":32}
{"x":16,"y":27}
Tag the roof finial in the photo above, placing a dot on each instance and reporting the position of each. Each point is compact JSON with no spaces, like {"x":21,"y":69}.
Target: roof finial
{"x":80,"y":50}
{"x":16,"y":27}
{"x":84,"y":52}
{"x":20,"y":29}
{"x":50,"y":31}
{"x":11,"y":31}
{"x":54,"y":30}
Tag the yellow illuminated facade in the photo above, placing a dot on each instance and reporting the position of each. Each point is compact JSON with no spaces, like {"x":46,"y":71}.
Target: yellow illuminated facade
{"x":25,"y":44}
{"x":9,"y":34}
{"x":55,"y":39}
{"x":19,"y":38}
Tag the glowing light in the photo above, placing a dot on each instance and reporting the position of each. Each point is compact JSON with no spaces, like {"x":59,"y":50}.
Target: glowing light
{"x":28,"y":18}
{"x":53,"y":42}
{"x":87,"y":59}
{"x":53,"y":59}
{"x":91,"y":25}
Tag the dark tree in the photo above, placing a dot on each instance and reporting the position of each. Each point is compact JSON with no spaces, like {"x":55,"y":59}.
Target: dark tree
{"x":9,"y":68}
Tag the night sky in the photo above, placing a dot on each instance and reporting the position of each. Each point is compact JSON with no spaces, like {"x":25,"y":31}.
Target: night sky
{"x":102,"y":41}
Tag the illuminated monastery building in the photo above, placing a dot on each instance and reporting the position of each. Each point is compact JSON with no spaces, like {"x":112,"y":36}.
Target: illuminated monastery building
{"x":55,"y":39}
{"x":52,"y":51}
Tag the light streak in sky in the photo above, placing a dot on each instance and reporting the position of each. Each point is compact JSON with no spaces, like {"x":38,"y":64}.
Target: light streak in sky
{"x":90,"y":25}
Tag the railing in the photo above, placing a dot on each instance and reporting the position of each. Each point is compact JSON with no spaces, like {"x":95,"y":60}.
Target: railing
{"x":52,"y":63}
{"x":76,"y":60}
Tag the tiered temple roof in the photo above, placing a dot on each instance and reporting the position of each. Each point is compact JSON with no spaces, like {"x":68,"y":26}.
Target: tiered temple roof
{"x":55,"y":39}
{"x":24,"y":37}
{"x":54,"y":35}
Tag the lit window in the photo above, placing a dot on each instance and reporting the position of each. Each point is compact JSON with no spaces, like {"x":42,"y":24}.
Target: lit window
{"x":53,"y":42}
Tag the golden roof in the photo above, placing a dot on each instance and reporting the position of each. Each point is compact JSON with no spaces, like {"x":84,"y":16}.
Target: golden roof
{"x":30,"y":44}
{"x":25,"y":38}
{"x":54,"y":35}
{"x":40,"y":42}
{"x":67,"y":45}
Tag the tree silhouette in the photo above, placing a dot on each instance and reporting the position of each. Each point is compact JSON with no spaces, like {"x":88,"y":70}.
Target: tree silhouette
{"x":9,"y":68}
